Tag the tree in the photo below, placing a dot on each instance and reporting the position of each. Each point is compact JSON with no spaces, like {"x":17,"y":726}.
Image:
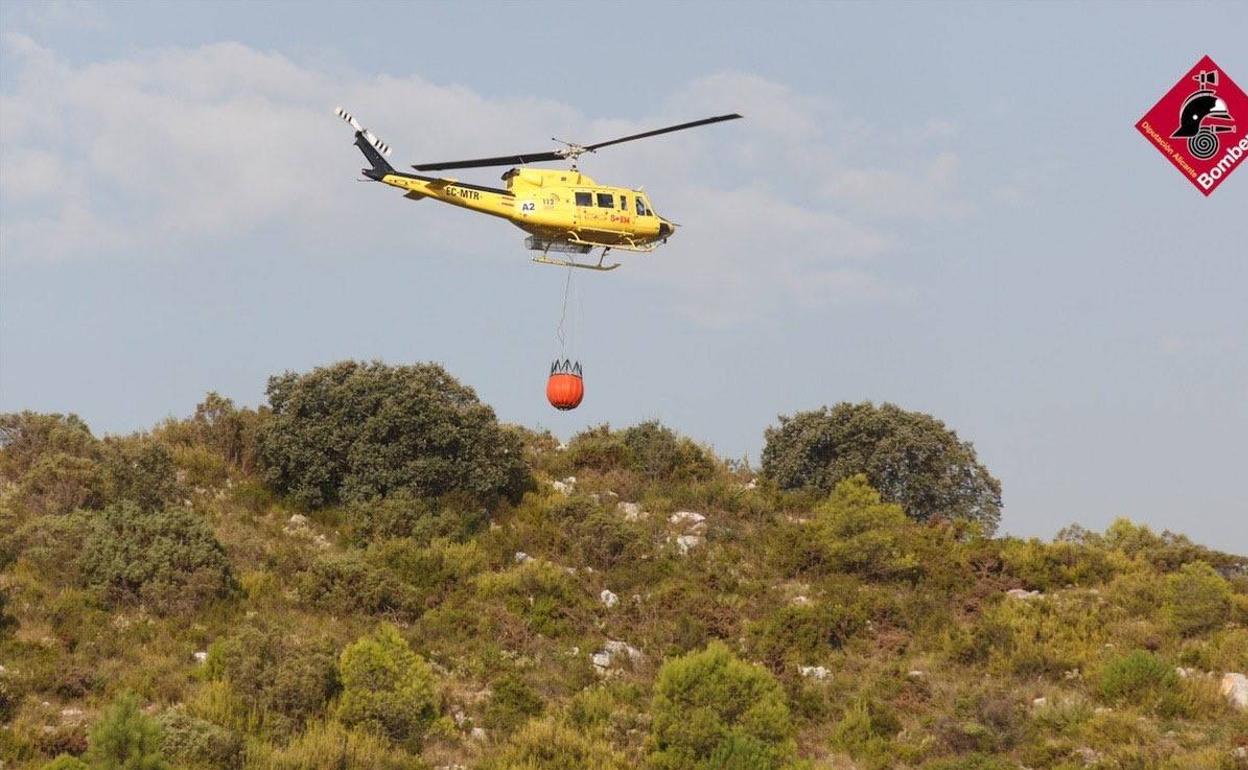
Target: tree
{"x":125,"y":739}
{"x":353,"y":432}
{"x":713,"y":710}
{"x":910,"y":457}
{"x":386,"y":688}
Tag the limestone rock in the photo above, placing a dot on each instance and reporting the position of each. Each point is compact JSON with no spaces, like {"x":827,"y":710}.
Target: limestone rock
{"x":1019,"y":593}
{"x":631,"y":511}
{"x":689,"y":521}
{"x":685,"y":542}
{"x":608,"y":598}
{"x":814,"y":672}
{"x":1235,"y":688}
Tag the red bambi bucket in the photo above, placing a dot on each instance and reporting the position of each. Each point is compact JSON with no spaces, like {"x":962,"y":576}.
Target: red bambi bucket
{"x":565,"y":388}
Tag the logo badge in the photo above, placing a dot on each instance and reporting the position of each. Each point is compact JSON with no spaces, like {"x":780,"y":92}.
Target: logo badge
{"x":1194,"y":125}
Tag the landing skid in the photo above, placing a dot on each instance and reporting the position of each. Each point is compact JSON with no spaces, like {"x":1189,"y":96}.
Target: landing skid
{"x":545,"y":260}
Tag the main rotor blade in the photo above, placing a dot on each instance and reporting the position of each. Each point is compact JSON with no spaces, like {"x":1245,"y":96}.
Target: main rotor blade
{"x":502,"y":160}
{"x":668,"y":130}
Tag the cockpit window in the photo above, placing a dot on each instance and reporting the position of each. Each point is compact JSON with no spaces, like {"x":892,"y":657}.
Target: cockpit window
{"x":641,"y":208}
{"x":606,"y":201}
{"x":584,"y":199}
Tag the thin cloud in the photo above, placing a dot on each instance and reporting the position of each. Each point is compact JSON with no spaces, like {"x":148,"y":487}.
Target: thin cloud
{"x":210,"y":144}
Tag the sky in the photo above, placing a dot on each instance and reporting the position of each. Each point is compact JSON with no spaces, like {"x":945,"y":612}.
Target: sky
{"x":943,"y":206}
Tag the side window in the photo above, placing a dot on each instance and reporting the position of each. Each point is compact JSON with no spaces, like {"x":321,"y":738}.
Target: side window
{"x":584,"y":199}
{"x":623,"y":203}
{"x":641,"y":210}
{"x":606,"y":201}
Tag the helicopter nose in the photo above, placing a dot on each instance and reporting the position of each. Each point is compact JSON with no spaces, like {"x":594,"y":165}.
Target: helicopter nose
{"x":666,"y":229}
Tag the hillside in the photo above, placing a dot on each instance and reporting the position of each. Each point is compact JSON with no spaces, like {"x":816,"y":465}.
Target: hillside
{"x":372,"y":572}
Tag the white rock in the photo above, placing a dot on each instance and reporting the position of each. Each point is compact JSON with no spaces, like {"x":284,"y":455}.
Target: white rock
{"x":689,"y":520}
{"x":459,"y":716}
{"x":801,"y":600}
{"x":813,"y":672}
{"x":601,"y":659}
{"x":1019,"y":593}
{"x":615,"y":647}
{"x":753,"y":484}
{"x":201,"y":656}
{"x":72,"y":714}
{"x":477,"y":734}
{"x":608,"y":598}
{"x":685,"y":542}
{"x":1184,"y":673}
{"x":916,"y":674}
{"x":1235,"y":688}
{"x":1039,"y":702}
{"x":297,"y":520}
{"x":631,"y":511}
{"x":521,"y":557}
{"x":561,"y":488}
{"x":320,"y":541}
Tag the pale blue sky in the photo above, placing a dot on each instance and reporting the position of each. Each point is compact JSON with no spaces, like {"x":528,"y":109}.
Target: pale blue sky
{"x":944,"y":206}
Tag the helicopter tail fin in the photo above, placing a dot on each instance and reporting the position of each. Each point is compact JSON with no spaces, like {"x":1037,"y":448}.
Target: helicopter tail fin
{"x":373,"y":148}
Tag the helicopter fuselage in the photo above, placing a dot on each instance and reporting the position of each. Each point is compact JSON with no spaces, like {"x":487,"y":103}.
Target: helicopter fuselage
{"x":556,"y":206}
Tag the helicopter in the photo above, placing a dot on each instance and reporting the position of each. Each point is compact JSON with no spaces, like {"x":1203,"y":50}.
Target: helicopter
{"x":562,"y":210}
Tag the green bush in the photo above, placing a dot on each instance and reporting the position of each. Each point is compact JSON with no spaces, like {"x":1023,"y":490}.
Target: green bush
{"x":66,"y":762}
{"x":59,"y":483}
{"x":125,"y":738}
{"x":282,"y":681}
{"x":353,"y":432}
{"x":657,"y":452}
{"x":139,"y":470}
{"x":169,"y":560}
{"x":1198,"y":599}
{"x":386,"y":688}
{"x":331,"y":746}
{"x":910,"y":457}
{"x":803,"y":634}
{"x":1136,"y":677}
{"x":548,"y":745}
{"x":348,"y":583}
{"x":866,"y":731}
{"x":194,"y":743}
{"x":403,"y":515}
{"x":709,"y":705}
{"x":544,"y":595}
{"x":860,"y":534}
{"x":512,"y":702}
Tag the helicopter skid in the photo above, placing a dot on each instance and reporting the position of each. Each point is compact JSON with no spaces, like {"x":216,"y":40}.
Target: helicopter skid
{"x":545,"y":260}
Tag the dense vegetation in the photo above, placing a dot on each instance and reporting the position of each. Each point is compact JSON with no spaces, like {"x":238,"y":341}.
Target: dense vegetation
{"x":372,"y":572}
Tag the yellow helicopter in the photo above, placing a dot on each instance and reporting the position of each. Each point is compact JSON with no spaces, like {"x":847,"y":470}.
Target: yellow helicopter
{"x":563,"y":211}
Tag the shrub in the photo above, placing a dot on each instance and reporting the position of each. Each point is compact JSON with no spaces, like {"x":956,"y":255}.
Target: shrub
{"x":548,"y":745}
{"x":798,"y":634}
{"x":169,"y":560}
{"x":125,"y":738}
{"x":910,"y":457}
{"x":710,"y":704}
{"x":353,"y":432}
{"x":1135,"y":677}
{"x":402,"y":515}
{"x":195,"y":743}
{"x":348,"y":583}
{"x":386,"y":688}
{"x":66,"y":762}
{"x":543,"y":594}
{"x":59,"y":483}
{"x":512,"y":702}
{"x":866,"y":731}
{"x":282,"y":681}
{"x":139,"y":470}
{"x":657,"y":452}
{"x":1197,"y":599}
{"x":26,"y":437}
{"x":858,"y":533}
{"x":331,"y":745}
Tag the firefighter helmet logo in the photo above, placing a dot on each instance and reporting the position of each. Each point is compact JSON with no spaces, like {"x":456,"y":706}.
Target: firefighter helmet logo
{"x":1201,"y":116}
{"x":1195,"y":126}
